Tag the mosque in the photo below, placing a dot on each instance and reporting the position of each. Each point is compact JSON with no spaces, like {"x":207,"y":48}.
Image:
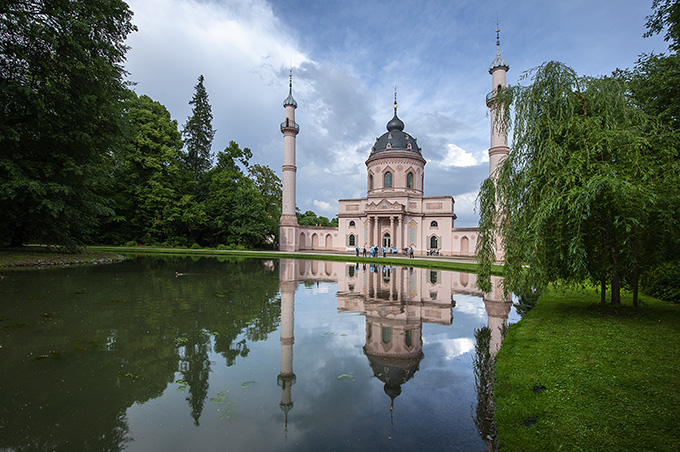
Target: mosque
{"x":395,"y":213}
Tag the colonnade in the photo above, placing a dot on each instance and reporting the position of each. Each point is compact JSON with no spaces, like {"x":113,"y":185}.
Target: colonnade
{"x":397,"y":235}
{"x":374,"y":286}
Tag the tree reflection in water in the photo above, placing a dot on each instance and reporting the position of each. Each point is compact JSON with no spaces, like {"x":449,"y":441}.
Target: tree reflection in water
{"x":483,"y":365}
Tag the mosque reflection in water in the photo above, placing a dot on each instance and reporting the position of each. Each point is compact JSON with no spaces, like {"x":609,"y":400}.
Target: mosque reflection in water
{"x":396,"y":302}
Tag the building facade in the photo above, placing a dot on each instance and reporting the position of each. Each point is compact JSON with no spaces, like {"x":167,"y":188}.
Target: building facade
{"x":395,"y":213}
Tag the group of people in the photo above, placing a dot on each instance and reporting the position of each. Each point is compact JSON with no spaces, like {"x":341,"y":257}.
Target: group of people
{"x":374,"y":251}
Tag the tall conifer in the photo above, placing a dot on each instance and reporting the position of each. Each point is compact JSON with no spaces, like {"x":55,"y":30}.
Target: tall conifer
{"x":198,"y":133}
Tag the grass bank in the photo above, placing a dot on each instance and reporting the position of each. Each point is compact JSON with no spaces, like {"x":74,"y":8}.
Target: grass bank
{"x":42,"y":257}
{"x":574,"y":376}
{"x":434,"y":263}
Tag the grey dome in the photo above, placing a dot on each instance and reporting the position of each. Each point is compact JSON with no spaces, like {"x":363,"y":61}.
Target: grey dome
{"x":395,"y":139}
{"x":395,"y":123}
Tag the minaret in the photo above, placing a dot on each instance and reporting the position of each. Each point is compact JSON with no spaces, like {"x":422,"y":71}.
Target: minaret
{"x":286,"y":379}
{"x":498,"y":306}
{"x":288,"y":223}
{"x":499,"y":134}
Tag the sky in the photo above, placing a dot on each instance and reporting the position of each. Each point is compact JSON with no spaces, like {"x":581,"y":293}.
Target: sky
{"x":348,"y":56}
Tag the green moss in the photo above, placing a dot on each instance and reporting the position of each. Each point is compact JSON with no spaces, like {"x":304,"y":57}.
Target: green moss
{"x":610,"y":376}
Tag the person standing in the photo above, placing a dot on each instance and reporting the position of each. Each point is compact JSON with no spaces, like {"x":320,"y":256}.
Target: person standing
{"x":410,"y":253}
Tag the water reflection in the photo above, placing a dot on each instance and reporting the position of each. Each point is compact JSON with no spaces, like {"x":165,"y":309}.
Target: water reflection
{"x":396,"y":302}
{"x":131,"y":357}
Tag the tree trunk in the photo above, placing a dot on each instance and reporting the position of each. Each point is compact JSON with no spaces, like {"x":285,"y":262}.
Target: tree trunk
{"x":603,"y":289}
{"x":616,"y":290}
{"x":616,"y":282}
{"x":17,"y":240}
{"x":636,"y":271}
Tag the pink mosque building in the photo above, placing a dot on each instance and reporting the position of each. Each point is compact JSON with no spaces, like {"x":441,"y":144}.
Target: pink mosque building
{"x":395,"y":212}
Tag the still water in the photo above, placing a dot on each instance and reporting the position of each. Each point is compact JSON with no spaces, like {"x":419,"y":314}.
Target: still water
{"x":203,"y":354}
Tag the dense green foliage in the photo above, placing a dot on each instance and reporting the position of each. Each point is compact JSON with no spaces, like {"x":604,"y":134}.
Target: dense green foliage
{"x":663,"y":281}
{"x":589,"y":191}
{"x":61,"y":86}
{"x":585,"y":189}
{"x":86,"y":160}
{"x":576,"y":376}
{"x":309,"y":218}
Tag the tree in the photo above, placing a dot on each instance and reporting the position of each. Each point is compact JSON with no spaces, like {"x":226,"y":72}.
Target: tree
{"x":666,"y":16}
{"x":309,"y":218}
{"x":61,"y":82}
{"x":149,"y":177}
{"x":198,"y":133}
{"x":578,"y":196}
{"x":235,"y":207}
{"x":268,"y":184}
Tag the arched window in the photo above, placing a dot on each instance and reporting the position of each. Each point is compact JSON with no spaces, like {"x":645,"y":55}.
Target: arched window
{"x":409,"y":338}
{"x":352,"y":240}
{"x":409,"y":180}
{"x":434,"y":224}
{"x":386,"y":335}
{"x":387,"y":242}
{"x":434,"y":276}
{"x":352,"y":223}
{"x":434,"y":242}
{"x":370,"y":182}
{"x":388,"y":180}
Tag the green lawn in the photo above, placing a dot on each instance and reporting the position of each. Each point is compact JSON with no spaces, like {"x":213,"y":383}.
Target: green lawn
{"x":574,"y":376}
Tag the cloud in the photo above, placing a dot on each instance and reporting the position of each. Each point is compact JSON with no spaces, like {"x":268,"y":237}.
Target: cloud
{"x":323,"y":206}
{"x":457,"y":156}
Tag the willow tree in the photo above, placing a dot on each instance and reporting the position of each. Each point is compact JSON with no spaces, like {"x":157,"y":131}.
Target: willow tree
{"x":577,"y":198}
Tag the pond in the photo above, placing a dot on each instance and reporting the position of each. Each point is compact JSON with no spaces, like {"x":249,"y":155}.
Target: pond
{"x":178,"y":353}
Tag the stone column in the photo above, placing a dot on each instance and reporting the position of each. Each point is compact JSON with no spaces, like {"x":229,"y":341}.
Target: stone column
{"x":393,"y":232}
{"x":400,"y":229}
{"x":376,"y":236}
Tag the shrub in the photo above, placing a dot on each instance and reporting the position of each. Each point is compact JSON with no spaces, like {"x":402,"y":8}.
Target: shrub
{"x":195,"y":246}
{"x":663,"y":282}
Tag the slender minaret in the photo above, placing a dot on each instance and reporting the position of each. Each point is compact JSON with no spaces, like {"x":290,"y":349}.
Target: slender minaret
{"x":499,"y":134}
{"x":498,"y":306}
{"x":286,"y":379}
{"x":288,"y":223}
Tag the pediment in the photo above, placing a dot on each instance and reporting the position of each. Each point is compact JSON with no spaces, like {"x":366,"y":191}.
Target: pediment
{"x":384,"y":205}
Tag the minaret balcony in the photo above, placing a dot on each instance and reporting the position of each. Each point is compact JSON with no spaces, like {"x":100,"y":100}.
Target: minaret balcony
{"x":290,"y":126}
{"x":489,"y":98}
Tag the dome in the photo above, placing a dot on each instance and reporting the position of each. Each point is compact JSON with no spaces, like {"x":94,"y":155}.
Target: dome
{"x":289,"y":100}
{"x":395,"y":123}
{"x":395,"y":139}
{"x":499,"y":62}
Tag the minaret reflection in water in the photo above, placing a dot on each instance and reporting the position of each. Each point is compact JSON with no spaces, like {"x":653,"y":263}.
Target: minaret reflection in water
{"x":286,"y":379}
{"x":395,"y":301}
